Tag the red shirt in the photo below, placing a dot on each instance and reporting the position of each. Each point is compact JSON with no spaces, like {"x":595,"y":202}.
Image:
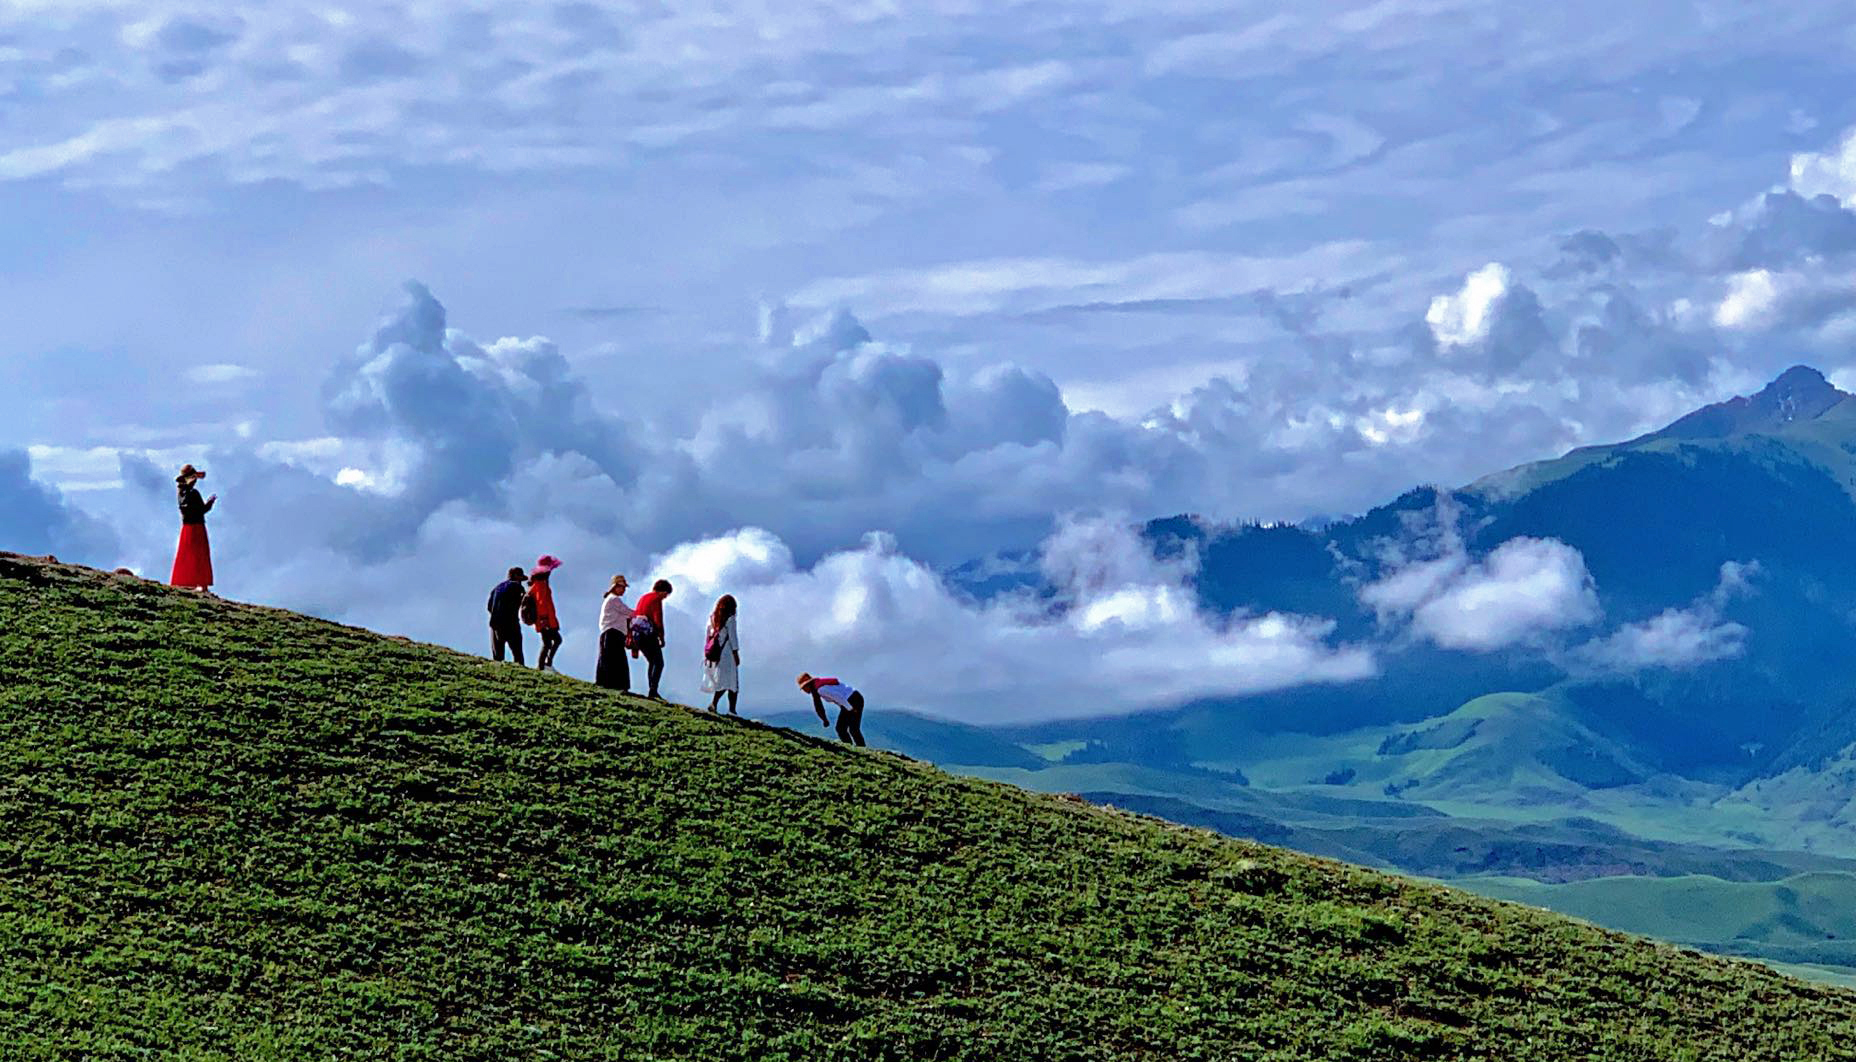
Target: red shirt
{"x":651,"y":606}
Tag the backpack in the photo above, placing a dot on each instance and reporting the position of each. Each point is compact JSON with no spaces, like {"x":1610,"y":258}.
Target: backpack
{"x":712,"y":646}
{"x":531,"y":609}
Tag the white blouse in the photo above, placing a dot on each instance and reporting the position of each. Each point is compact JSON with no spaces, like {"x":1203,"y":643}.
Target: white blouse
{"x":614,"y":613}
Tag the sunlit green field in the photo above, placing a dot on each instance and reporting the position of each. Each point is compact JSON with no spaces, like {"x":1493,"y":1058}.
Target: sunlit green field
{"x":234,"y":833}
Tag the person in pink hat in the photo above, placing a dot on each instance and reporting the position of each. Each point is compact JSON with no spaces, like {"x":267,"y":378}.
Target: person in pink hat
{"x":543,"y":617}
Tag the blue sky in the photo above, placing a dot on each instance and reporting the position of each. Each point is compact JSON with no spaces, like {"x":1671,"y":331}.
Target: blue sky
{"x":809,"y":299}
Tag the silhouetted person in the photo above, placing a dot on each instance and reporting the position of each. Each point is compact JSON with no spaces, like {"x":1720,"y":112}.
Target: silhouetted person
{"x":721,"y":656}
{"x":506,"y":616}
{"x":614,"y":671}
{"x":647,"y":633}
{"x":850,"y":705}
{"x":193,"y":558}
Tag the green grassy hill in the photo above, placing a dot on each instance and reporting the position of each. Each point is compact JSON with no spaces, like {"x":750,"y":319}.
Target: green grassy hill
{"x":237,"y":833}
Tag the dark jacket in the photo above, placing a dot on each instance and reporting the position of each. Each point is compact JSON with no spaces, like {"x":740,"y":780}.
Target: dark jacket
{"x":506,"y":604}
{"x":193,"y":508}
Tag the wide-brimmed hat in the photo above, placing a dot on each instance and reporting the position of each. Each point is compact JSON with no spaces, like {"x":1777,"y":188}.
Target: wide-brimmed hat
{"x":546,"y":563}
{"x":188,"y":472}
{"x":804,"y":677}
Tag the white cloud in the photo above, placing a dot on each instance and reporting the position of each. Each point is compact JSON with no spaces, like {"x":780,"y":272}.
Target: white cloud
{"x":1679,"y":638}
{"x":1523,"y":592}
{"x":1750,"y":299}
{"x":1029,"y":284}
{"x":1467,"y":316}
{"x":1831,"y":172}
{"x":1123,"y":634}
{"x":220,"y":373}
{"x":1674,"y":638}
{"x":1525,"y":589}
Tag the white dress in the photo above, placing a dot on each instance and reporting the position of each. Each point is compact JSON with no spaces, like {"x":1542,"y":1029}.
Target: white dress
{"x":722,"y":674}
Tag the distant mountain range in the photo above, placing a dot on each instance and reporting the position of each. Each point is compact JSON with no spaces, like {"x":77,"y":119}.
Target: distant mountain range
{"x":1700,"y":720}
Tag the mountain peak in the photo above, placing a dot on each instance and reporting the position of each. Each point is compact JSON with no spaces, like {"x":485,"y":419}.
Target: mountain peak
{"x":1799,"y":393}
{"x":1800,"y":386}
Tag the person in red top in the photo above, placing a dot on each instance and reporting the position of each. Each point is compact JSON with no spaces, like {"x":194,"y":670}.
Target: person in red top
{"x":547,"y":621}
{"x":647,"y":633}
{"x":849,"y":701}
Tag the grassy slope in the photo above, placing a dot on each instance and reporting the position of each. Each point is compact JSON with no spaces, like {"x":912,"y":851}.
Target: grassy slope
{"x":237,"y":833}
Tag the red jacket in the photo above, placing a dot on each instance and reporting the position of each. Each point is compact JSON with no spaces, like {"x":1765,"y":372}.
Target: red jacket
{"x":546,"y":619}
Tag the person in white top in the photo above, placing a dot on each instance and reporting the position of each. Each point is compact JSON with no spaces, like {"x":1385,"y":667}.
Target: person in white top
{"x":614,"y":672}
{"x":721,"y":656}
{"x":849,"y":701}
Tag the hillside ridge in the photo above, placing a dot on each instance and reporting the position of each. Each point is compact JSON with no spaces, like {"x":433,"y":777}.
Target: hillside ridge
{"x":239,"y":833}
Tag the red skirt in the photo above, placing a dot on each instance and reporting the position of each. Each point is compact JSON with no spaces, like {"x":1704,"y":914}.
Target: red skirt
{"x":193,"y":561}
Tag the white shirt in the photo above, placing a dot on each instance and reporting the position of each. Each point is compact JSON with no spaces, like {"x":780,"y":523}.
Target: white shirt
{"x":838,"y":694}
{"x":614,"y":613}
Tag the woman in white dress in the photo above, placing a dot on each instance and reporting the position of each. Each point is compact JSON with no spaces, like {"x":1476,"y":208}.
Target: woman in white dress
{"x":721,"y":656}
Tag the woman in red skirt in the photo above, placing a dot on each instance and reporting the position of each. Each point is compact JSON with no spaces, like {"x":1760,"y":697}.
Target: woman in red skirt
{"x":193,"y":561}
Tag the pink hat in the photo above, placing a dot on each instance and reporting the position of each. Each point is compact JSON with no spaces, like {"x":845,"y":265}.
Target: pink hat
{"x":547,"y":563}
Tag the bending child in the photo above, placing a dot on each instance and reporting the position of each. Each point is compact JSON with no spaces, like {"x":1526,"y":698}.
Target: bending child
{"x":850,"y":705}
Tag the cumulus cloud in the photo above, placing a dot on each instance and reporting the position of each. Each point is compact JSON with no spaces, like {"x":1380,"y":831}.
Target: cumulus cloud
{"x":446,"y":420}
{"x":1117,"y":630}
{"x":1522,"y":592}
{"x":1524,"y":589}
{"x":1678,"y":638}
{"x":1492,"y":317}
{"x":1830,"y":172}
{"x":1468,"y":316}
{"x":1750,"y":299}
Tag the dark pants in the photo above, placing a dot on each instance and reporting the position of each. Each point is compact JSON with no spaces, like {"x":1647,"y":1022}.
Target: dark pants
{"x":550,"y":641}
{"x":614,"y":671}
{"x":851,"y":720}
{"x":510,"y":637}
{"x":654,"y":661}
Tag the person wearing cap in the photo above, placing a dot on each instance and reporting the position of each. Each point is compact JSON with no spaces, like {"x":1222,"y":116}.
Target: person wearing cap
{"x":193,"y":558}
{"x":850,"y":705}
{"x":614,"y":671}
{"x":506,"y":616}
{"x":547,"y":621}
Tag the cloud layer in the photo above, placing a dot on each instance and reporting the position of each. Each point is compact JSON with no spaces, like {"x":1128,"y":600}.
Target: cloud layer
{"x":1022,"y":268}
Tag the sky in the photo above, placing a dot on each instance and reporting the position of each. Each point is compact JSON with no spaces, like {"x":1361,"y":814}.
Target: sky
{"x":810,"y":301}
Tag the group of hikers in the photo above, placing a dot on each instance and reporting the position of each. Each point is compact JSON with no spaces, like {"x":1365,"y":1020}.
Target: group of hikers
{"x":637,"y":631}
{"x":626,"y":632}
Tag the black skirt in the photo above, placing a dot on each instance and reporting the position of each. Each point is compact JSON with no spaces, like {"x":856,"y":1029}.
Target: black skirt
{"x":614,"y":671}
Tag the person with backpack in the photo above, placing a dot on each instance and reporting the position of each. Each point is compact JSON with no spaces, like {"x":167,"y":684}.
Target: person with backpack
{"x":613,"y":671}
{"x":506,"y":616}
{"x":721,"y":656}
{"x":538,"y":610}
{"x":850,"y":705}
{"x":193,"y":558}
{"x":646,"y":633}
